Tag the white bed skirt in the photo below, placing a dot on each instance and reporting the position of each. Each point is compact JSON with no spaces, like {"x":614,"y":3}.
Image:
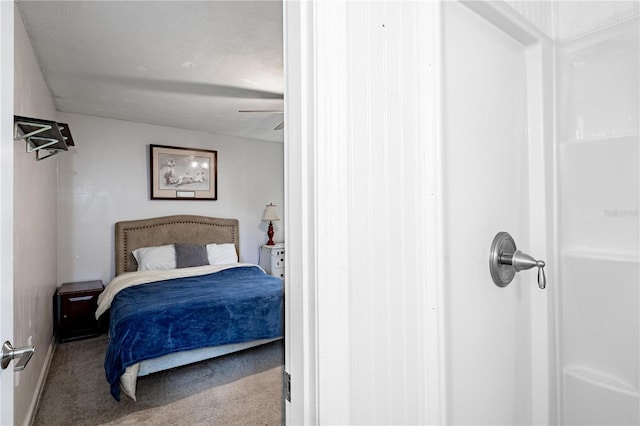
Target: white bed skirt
{"x":128,"y":380}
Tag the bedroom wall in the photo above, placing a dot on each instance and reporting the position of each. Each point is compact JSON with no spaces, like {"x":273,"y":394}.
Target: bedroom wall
{"x":105,"y":179}
{"x":35,"y":216}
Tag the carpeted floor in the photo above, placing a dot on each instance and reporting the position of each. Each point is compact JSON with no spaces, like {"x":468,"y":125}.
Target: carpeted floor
{"x":237,"y":389}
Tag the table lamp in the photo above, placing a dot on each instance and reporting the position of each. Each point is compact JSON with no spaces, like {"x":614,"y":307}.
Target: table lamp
{"x":270,"y":214}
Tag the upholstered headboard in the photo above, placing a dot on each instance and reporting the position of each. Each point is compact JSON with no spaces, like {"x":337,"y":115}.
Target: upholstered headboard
{"x":158,"y":231}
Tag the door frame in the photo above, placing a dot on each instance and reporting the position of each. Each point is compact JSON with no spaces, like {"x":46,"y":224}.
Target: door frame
{"x":299,"y":189}
{"x":539,"y":51}
{"x":304,"y":30}
{"x":6,"y":202}
{"x":310,"y":74}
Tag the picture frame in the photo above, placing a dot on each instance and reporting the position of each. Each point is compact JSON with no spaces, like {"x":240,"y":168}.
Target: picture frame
{"x":178,"y":173}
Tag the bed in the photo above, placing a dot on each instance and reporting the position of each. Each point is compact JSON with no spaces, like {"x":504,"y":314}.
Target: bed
{"x":164,"y":315}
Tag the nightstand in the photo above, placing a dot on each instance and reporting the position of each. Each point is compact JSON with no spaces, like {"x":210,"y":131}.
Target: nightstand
{"x":75,"y":308}
{"x":272,"y":259}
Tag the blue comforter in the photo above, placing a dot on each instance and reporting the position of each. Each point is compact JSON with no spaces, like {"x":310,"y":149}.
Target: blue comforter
{"x":230,"y":306}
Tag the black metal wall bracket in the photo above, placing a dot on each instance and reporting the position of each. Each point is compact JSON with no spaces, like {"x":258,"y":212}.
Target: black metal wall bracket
{"x":42,"y":135}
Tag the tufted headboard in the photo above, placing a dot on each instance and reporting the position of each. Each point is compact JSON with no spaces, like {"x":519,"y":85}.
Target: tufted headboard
{"x":158,"y":231}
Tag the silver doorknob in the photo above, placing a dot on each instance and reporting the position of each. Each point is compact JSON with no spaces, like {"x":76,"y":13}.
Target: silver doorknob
{"x":505,"y":260}
{"x":23,"y":354}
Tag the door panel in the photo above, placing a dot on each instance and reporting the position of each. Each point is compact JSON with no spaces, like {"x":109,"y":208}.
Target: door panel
{"x":486,"y":188}
{"x":6,"y":203}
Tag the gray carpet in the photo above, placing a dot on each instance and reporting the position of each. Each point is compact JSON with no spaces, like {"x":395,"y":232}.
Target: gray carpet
{"x":237,"y":389}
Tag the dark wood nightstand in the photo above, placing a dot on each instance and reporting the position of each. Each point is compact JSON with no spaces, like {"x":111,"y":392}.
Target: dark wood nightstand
{"x":75,"y":310}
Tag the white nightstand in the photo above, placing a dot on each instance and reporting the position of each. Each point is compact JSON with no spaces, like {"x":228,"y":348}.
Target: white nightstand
{"x":272,"y":259}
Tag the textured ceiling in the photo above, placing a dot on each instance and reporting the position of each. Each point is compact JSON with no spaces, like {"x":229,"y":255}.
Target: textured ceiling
{"x":182,"y":64}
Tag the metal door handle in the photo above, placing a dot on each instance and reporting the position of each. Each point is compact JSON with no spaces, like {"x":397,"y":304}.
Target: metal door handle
{"x":521,"y":261}
{"x":23,"y":354}
{"x":505,"y":260}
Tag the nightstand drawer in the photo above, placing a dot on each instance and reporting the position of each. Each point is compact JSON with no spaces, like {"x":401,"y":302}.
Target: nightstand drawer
{"x":278,"y":272}
{"x":277,"y":258}
{"x":77,"y":312}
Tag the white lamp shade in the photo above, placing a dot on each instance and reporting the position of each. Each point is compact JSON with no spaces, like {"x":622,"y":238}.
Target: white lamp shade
{"x":270,"y":213}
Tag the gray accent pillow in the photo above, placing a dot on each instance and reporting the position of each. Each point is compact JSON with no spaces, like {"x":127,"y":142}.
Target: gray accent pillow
{"x":188,"y":255}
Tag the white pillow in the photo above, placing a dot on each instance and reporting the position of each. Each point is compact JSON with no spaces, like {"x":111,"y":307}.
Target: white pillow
{"x":155,"y":258}
{"x":222,"y":254}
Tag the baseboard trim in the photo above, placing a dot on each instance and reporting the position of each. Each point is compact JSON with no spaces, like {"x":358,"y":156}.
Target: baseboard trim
{"x":33,"y":407}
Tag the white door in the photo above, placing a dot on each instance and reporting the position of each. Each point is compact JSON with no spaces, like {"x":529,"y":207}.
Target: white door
{"x":6,"y":203}
{"x":493,"y":179}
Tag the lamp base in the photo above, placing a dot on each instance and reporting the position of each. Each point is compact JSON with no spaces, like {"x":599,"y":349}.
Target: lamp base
{"x":270,"y":234}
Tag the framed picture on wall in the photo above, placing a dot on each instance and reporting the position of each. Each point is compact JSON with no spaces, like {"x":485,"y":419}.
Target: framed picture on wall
{"x":183,"y":173}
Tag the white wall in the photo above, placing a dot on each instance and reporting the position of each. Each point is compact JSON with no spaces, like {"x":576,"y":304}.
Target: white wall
{"x":35,"y":217}
{"x":366,"y":90}
{"x":105,"y":179}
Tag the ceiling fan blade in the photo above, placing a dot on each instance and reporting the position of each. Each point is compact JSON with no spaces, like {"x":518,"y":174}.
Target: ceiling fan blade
{"x":188,"y":88}
{"x":262,"y":110}
{"x":273,"y":111}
